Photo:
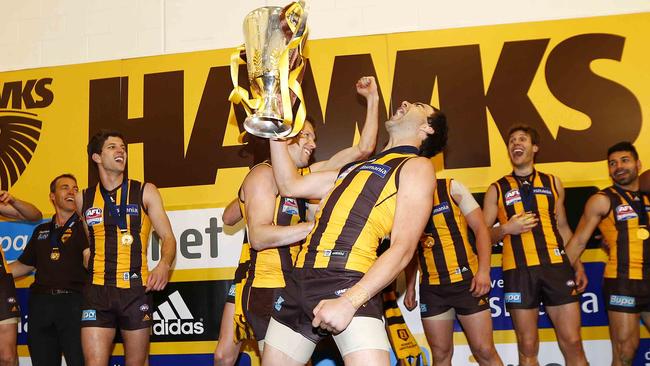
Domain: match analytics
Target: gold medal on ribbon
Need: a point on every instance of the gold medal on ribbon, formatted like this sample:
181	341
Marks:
642	233
55	254
127	239
427	241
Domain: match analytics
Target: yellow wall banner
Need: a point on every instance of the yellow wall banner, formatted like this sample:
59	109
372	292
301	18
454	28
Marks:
584	84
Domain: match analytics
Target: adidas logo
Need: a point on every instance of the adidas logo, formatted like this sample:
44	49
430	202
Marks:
173	317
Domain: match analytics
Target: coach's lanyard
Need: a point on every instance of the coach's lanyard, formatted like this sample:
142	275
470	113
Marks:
57	233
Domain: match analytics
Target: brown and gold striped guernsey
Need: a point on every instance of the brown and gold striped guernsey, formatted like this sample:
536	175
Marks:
451	258
629	256
111	262
356	214
244	260
269	267
542	245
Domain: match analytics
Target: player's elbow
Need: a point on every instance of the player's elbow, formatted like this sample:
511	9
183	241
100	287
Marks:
365	151
257	240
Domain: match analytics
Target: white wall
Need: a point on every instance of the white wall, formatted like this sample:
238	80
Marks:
38	33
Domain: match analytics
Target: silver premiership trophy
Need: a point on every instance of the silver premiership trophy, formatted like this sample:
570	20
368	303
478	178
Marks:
274	37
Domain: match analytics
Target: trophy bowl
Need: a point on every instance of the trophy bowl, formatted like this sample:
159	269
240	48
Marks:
268	31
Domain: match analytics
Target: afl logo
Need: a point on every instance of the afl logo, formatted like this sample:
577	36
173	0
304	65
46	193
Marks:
625	212
20	130
512	197
94	216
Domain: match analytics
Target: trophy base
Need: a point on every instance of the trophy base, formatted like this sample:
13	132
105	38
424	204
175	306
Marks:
266	127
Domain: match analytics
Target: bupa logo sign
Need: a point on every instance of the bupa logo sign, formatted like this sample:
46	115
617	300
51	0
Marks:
512	297
94	216
377	169
625	212
88	315
173	317
14	236
512	196
20	130
620	300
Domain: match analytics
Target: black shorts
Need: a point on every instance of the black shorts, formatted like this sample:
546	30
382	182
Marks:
9	307
627	296
437	299
257	304
230	296
526	288
305	288
112	307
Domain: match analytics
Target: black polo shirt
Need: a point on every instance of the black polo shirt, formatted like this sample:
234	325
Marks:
66	273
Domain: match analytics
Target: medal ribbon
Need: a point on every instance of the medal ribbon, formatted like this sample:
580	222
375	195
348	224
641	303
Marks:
57	234
638	206
526	190
118	213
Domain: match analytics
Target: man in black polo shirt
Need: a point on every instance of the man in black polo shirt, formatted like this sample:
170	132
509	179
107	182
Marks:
58	251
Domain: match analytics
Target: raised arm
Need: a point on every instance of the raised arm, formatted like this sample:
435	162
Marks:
367	87
159	276
13	208
412	211
292	184
517	224
259	193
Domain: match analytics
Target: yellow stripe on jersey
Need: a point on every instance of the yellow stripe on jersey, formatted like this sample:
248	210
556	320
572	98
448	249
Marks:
268	267
629	255
356	214
451	258
111	262
543	244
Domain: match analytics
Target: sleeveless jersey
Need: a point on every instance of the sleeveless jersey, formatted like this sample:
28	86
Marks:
629	256
268	267
356	214
542	245
451	258
111	262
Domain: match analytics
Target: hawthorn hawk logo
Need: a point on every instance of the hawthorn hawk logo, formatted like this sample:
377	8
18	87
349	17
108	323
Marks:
20	128
19	135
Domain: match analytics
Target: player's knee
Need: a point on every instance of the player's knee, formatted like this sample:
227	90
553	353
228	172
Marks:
575	344
8	357
442	352
485	352
626	349
528	347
